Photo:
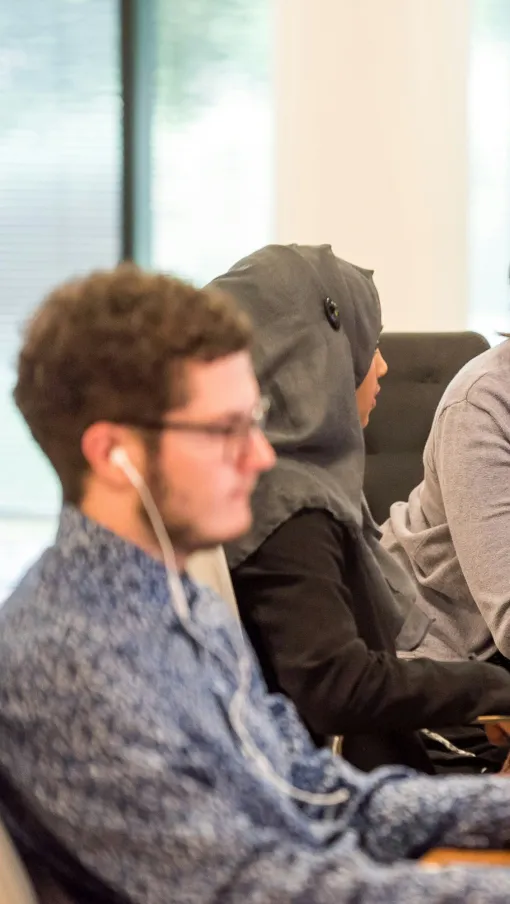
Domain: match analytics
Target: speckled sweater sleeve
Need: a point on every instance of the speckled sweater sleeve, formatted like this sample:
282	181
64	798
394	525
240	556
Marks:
116	725
167	808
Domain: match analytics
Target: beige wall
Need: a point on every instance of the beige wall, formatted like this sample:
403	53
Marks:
372	145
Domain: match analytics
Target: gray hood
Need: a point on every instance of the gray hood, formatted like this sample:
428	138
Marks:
317	323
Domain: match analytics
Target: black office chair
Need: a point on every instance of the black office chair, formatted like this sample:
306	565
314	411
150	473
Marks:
420	366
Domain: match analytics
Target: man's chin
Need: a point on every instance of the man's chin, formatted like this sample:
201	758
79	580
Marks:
239	526
220	535
242	528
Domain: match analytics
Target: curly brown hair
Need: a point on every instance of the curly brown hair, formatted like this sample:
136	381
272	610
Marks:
110	346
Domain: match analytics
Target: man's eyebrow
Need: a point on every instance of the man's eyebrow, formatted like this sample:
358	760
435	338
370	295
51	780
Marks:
235	414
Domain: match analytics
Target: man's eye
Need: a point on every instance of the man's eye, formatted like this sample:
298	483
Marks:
230	428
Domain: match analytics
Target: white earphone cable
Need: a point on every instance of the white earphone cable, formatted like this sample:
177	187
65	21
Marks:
237	704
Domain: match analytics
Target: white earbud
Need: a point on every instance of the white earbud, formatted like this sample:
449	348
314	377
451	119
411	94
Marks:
120	458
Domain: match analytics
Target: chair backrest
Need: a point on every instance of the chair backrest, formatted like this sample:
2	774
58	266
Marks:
420	366
15	885
211	568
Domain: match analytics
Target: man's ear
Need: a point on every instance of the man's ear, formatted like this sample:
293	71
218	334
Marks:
99	444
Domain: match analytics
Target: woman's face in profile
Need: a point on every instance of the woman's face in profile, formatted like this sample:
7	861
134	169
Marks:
368	390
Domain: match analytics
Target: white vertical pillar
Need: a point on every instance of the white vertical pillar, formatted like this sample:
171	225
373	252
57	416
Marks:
372	145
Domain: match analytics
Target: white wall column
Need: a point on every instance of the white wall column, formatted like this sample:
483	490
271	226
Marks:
372	145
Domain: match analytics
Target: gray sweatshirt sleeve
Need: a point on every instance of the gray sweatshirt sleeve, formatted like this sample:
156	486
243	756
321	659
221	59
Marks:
472	455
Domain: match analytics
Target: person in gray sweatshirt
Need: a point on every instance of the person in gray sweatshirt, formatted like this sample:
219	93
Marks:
452	534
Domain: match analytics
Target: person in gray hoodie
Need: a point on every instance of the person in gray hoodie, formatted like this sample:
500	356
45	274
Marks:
451	535
324	605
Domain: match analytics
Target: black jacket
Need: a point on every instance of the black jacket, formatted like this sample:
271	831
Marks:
321	641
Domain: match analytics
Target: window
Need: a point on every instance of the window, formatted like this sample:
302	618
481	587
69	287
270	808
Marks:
138	125
211	188
60	184
489	167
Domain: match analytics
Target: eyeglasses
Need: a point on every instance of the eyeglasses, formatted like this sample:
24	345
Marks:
235	435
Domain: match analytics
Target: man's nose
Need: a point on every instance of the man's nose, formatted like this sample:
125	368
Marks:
262	455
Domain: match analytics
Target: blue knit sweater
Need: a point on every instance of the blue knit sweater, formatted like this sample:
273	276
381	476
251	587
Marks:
115	723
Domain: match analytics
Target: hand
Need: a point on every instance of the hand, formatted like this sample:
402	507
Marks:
498	733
